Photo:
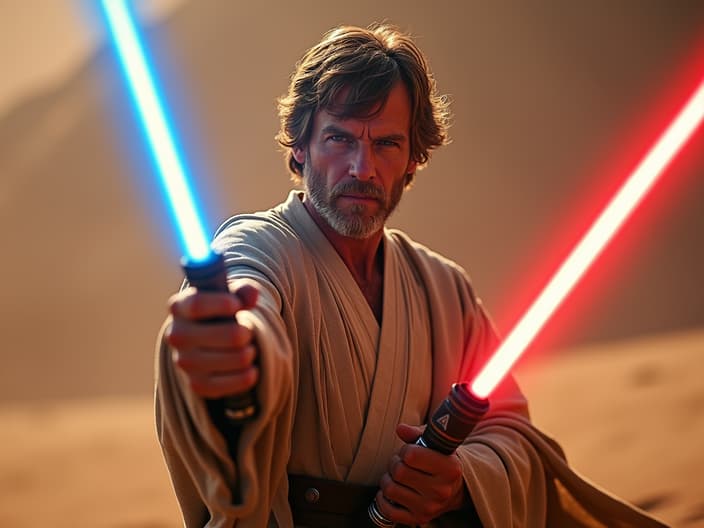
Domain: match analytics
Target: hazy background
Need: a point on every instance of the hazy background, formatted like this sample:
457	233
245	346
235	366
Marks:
553	103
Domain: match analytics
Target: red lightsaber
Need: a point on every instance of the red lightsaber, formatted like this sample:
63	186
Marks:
459	413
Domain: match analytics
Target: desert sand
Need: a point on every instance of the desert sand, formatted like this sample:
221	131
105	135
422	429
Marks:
630	416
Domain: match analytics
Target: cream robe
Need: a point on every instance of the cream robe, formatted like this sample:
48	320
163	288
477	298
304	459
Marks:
334	385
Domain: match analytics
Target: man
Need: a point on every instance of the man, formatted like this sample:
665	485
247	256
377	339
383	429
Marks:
351	334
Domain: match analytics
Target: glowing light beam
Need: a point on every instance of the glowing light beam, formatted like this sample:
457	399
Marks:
171	169
638	184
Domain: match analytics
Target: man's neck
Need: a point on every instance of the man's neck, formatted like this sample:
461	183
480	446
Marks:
363	257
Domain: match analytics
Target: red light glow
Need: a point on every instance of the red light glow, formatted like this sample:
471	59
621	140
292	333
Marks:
618	210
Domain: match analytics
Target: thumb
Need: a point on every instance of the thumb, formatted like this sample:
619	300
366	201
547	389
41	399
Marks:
247	295
409	433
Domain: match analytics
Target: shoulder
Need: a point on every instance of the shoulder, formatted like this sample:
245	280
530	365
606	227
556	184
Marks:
266	230
425	257
265	247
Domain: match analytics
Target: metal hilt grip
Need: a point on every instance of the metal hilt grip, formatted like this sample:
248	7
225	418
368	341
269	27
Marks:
453	420
210	275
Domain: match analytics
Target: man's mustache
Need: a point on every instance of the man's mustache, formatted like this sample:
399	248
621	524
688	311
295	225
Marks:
366	189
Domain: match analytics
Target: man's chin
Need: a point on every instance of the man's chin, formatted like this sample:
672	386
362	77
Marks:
355	228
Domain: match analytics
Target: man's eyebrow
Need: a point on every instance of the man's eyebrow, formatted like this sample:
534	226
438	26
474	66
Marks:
334	129
393	137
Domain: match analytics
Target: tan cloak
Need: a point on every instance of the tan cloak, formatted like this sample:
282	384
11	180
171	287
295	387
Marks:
334	385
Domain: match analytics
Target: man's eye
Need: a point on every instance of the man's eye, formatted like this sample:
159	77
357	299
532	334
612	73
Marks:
338	139
388	143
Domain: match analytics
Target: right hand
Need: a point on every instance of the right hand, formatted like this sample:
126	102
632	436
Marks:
218	357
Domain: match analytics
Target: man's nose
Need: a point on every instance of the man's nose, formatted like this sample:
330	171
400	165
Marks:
362	164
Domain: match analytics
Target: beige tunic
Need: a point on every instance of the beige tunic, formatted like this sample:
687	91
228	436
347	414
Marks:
335	384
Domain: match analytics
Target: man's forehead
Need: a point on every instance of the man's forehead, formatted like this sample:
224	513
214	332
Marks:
378	124
390	114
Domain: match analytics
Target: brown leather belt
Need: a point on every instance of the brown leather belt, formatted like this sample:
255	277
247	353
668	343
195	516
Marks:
320	503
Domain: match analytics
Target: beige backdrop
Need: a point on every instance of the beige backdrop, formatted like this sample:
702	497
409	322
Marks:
552	100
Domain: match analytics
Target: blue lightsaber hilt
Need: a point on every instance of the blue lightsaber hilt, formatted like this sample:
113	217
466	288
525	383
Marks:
452	422
210	275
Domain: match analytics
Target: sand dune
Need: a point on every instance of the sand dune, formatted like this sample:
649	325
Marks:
630	416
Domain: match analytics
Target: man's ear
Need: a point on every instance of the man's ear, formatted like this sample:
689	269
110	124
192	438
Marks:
299	155
411	168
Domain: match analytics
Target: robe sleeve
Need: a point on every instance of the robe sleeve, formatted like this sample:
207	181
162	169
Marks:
517	475
195	452
503	473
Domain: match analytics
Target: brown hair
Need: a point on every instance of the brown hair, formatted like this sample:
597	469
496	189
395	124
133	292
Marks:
367	63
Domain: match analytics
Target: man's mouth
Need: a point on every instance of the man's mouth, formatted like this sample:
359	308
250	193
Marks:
357	196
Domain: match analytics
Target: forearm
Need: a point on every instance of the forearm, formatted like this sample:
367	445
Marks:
195	451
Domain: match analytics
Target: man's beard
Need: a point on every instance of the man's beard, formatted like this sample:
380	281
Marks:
355	222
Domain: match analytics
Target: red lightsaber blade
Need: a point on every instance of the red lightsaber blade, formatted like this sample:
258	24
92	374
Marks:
614	216
465	405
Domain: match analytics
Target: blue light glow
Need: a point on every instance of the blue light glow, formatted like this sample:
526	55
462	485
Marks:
171	169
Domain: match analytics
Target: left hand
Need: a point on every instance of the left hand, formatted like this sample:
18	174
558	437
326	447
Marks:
420	484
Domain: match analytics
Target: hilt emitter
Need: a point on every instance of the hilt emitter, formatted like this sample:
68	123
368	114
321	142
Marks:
210	275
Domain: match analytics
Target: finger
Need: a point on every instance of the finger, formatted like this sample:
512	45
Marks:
224	384
184	334
397	493
426	460
214	360
436	487
407	476
408	433
393	512
192	304
248	295
422	506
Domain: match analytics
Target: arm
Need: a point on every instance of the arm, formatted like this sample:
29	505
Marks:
198	360
500	470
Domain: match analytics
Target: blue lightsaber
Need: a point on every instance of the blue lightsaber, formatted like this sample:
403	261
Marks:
204	268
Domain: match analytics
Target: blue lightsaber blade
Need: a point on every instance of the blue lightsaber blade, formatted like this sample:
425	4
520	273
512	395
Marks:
204	268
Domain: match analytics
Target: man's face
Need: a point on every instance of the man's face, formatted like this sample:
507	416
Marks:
355	169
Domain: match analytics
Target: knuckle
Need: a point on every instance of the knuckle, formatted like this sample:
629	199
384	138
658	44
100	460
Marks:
184	361
443	494
398	471
198	386
174	336
241	335
251	353
409	456
194	306
385	483
251	377
245	357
